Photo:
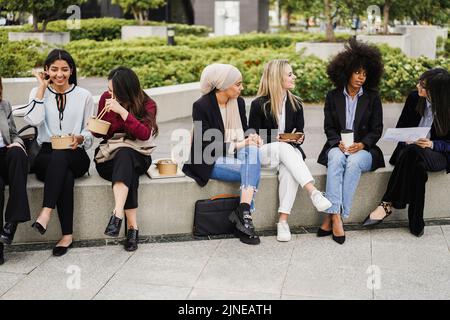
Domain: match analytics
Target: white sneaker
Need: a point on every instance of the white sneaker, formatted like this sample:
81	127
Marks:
283	232
319	201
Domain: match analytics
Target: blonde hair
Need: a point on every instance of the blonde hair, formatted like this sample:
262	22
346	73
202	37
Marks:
271	85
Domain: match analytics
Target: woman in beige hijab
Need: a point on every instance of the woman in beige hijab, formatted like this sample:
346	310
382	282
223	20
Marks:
219	148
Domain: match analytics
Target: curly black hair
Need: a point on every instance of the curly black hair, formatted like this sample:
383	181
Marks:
357	55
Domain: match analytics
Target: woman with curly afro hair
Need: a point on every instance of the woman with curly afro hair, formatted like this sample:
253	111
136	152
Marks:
428	106
354	107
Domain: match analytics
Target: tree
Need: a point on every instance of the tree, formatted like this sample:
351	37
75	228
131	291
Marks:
329	9
139	8
43	11
430	11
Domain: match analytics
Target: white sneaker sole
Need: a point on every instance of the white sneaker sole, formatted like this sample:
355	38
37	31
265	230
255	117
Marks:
284	239
325	207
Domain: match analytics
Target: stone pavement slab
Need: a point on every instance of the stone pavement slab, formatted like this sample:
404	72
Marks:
411	267
321	267
214	294
8	280
80	274
24	262
169	264
117	289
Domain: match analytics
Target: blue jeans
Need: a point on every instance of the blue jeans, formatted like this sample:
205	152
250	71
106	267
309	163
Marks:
343	176
246	169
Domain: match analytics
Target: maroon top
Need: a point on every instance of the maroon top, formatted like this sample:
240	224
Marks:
135	128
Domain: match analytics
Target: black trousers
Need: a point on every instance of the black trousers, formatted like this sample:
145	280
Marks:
407	182
14	172
126	166
58	169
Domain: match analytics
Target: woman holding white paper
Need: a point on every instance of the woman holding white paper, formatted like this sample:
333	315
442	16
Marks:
429	106
354	107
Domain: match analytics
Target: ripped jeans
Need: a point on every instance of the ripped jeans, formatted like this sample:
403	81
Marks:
246	169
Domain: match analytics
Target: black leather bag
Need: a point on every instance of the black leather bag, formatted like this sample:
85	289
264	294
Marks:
31	144
211	215
29	139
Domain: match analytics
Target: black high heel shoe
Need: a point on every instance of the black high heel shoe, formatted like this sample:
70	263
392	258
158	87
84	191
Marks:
113	227
38	227
324	233
7	234
368	222
339	239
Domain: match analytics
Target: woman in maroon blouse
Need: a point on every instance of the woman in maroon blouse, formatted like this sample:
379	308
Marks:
131	111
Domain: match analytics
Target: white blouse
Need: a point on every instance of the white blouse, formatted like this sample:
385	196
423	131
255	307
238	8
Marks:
79	107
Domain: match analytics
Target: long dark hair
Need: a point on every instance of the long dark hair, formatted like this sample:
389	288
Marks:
437	84
59	54
127	90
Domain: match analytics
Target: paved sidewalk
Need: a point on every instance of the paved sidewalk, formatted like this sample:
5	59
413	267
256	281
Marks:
377	264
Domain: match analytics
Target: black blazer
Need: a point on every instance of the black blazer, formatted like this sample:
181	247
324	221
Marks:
263	125
206	109
410	117
367	127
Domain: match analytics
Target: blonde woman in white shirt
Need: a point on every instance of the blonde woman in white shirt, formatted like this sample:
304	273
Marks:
59	107
276	110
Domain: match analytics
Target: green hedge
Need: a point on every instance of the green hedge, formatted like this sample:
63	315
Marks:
158	64
110	28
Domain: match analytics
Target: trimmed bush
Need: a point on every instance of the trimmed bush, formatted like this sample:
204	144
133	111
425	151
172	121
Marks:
110	28
158	64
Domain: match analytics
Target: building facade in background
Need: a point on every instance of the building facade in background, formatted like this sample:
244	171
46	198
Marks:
224	17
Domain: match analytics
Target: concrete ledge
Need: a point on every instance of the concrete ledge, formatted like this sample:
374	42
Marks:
322	50
131	32
403	42
56	38
166	206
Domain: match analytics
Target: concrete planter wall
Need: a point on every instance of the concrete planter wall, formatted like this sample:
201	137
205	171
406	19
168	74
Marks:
57	38
403	42
131	32
423	40
323	50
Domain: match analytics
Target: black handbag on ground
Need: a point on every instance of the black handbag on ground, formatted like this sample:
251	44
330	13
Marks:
211	215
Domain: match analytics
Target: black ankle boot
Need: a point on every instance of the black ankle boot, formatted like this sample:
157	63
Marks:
7	234
131	244
113	227
2	259
242	219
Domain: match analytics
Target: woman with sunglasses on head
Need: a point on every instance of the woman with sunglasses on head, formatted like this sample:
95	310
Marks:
132	112
429	106
59	108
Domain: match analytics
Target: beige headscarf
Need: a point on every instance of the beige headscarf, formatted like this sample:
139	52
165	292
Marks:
221	77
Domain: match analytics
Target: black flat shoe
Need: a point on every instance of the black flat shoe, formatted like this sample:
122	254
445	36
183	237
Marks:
418	235
7	234
38	227
2	258
131	244
324	233
113	227
368	222
60	250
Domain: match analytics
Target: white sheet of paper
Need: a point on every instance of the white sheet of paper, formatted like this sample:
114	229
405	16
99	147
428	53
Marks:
406	134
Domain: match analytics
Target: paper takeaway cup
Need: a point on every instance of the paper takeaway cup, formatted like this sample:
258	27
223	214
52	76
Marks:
347	138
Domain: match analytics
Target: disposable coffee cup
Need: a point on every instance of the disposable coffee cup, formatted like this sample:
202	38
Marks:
347	138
